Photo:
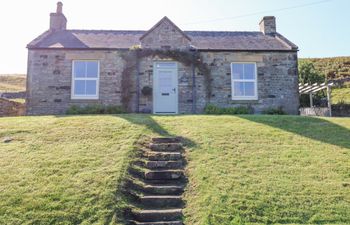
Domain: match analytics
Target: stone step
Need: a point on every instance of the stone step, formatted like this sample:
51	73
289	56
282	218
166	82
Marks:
165	182
157	223
166	147
157	174
158	201
166	140
178	164
157	215
162	156
164	189
156	189
164	174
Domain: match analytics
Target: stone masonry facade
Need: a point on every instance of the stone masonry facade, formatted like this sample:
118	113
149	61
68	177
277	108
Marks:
50	78
49	84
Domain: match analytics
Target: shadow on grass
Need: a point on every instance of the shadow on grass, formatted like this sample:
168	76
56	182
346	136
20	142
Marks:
310	127
147	121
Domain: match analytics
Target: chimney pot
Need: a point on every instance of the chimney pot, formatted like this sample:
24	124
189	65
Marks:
59	7
268	25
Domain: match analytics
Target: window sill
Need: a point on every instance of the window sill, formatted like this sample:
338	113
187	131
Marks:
84	98
245	99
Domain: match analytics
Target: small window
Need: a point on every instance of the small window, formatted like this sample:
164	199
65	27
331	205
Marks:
244	81
85	79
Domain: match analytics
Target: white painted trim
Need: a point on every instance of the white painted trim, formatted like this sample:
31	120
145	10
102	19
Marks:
255	97
86	97
176	84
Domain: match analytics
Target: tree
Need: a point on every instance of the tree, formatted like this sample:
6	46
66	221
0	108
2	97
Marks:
308	73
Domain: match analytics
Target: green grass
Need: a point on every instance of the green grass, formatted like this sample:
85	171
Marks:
341	95
241	169
12	83
63	169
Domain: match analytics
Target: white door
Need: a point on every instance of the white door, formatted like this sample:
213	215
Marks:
165	93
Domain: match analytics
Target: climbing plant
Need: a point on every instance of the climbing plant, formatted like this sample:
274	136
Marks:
134	54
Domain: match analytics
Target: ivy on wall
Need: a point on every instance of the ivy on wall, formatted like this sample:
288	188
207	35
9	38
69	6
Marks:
133	55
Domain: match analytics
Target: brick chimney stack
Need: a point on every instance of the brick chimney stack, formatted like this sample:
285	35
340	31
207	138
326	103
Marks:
57	20
268	25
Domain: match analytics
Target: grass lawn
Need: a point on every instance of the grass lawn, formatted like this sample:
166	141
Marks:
241	169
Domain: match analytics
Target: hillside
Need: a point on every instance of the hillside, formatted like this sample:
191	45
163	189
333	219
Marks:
332	68
12	83
253	169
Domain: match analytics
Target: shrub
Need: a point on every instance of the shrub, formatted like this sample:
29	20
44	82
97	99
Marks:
95	109
274	111
212	109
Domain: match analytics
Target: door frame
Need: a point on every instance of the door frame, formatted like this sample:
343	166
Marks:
176	86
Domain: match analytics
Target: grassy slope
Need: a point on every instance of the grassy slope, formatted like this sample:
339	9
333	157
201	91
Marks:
62	169
261	169
333	68
12	83
341	95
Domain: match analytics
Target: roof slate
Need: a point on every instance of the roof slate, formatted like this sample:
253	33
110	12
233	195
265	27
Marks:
124	39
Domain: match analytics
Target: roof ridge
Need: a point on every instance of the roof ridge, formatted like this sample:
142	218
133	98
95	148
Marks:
104	30
214	31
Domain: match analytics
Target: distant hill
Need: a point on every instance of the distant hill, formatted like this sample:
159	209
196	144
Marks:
332	68
12	82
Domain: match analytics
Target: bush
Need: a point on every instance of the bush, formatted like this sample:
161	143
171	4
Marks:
274	111
95	109
212	109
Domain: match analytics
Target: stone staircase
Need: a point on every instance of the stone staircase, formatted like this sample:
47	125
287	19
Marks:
157	182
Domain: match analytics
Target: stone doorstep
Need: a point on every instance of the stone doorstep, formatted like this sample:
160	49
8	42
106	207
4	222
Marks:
162	156
166	147
161	200
157	215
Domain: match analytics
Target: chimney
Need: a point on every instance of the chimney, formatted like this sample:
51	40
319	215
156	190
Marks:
268	25
57	20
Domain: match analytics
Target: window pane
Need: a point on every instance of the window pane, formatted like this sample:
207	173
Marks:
91	87
238	88
79	69
249	71
237	70
92	69
249	88
79	87
166	65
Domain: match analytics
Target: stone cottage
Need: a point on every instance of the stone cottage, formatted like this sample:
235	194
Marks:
228	69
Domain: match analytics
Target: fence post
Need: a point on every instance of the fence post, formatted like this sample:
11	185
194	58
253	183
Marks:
329	100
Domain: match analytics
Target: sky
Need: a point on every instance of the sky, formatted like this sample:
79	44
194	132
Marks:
321	28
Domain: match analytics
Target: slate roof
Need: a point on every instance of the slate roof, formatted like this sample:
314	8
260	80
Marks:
124	39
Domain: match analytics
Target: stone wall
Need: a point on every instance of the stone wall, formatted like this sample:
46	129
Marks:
165	35
277	79
11	108
50	78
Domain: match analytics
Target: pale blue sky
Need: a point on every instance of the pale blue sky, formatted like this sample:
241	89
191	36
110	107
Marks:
321	29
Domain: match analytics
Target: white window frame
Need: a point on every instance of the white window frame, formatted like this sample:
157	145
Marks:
73	95
255	97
